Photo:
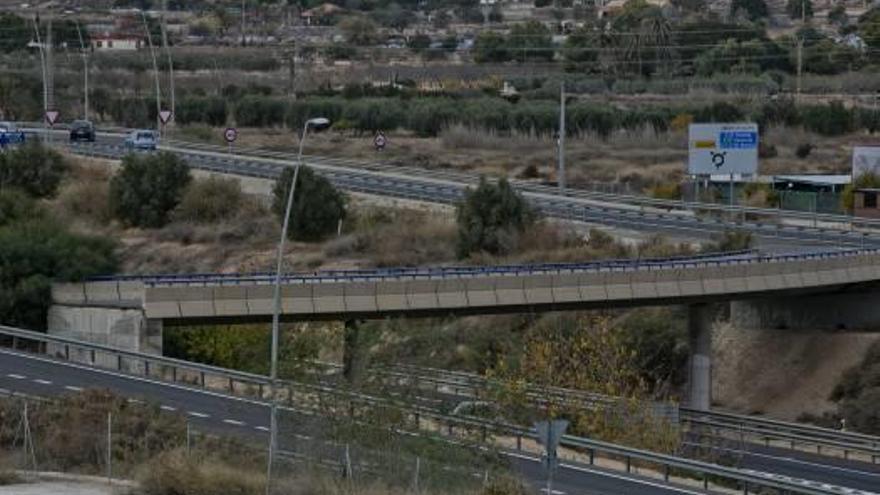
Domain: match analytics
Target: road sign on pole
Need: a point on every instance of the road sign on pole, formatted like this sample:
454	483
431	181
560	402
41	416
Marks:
379	141
723	149
230	135
165	116
549	435
52	116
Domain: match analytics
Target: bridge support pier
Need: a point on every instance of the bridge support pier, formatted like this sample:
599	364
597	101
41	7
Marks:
353	353
700	360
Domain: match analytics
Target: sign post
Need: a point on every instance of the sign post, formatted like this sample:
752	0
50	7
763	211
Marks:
380	141
230	135
51	119
165	117
723	149
549	435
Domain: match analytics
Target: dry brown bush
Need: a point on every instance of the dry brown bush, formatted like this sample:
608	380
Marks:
175	473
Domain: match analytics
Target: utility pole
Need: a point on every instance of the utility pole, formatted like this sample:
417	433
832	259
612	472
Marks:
155	71
43	70
561	143
242	22
800	50
50	77
85	58
164	25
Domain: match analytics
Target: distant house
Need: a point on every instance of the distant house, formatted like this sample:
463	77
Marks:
321	15
116	42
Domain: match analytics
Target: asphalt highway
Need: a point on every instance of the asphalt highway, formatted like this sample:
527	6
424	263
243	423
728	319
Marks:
210	411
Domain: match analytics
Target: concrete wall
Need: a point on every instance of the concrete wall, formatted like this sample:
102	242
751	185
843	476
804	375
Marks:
844	311
127	329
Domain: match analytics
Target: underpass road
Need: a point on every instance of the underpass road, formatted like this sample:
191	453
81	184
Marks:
46	377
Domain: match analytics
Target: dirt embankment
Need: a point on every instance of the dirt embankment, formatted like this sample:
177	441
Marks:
782	373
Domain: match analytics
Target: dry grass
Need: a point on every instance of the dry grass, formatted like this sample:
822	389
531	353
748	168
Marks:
175	473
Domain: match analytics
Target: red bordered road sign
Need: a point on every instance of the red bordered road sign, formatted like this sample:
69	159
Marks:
165	116
52	116
230	134
379	141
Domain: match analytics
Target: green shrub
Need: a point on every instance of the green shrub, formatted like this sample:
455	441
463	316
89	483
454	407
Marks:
34	169
16	206
491	218
730	240
148	188
832	119
35	252
210	200
318	206
803	150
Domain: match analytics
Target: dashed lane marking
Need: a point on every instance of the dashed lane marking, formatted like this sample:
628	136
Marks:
42	382
261	428
73	388
16	377
198	414
233	422
167	408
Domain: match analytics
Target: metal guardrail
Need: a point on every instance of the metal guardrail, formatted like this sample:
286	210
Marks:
707	261
638	201
702	470
180	371
824	440
411	184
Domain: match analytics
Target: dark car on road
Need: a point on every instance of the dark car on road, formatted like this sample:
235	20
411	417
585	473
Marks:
82	130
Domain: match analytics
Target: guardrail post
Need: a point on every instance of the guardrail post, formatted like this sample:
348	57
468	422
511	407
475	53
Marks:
628	464
15	342
818	449
119	362
665	469
202	378
845	454
174	374
518	442
92	356
417	420
483	433
449	428
67	352
231	386
705	481
260	390
745	488
146	367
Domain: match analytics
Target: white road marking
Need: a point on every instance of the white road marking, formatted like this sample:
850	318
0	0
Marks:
672	488
134	401
42	382
198	414
261	428
233	422
17	377
167	408
552	492
73	388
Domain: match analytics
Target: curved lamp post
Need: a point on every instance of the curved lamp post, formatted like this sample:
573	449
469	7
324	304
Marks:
317	124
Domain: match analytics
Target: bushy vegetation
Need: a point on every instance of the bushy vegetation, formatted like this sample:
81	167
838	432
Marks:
491	218
148	188
34	169
858	394
210	200
36	250
318	207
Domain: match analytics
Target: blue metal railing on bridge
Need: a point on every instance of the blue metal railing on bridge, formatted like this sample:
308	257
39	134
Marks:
711	259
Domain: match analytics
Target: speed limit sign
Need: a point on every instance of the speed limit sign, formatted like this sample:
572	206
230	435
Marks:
230	134
379	141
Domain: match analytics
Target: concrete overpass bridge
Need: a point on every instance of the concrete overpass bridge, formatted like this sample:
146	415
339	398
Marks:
826	289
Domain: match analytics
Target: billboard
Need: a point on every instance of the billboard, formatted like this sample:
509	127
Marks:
866	159
723	149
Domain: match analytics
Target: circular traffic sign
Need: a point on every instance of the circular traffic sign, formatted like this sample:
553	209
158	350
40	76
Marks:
230	134
379	141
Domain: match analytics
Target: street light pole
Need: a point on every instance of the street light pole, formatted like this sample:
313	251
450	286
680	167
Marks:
276	307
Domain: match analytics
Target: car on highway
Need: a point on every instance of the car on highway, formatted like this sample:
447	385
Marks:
142	139
82	130
9	134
